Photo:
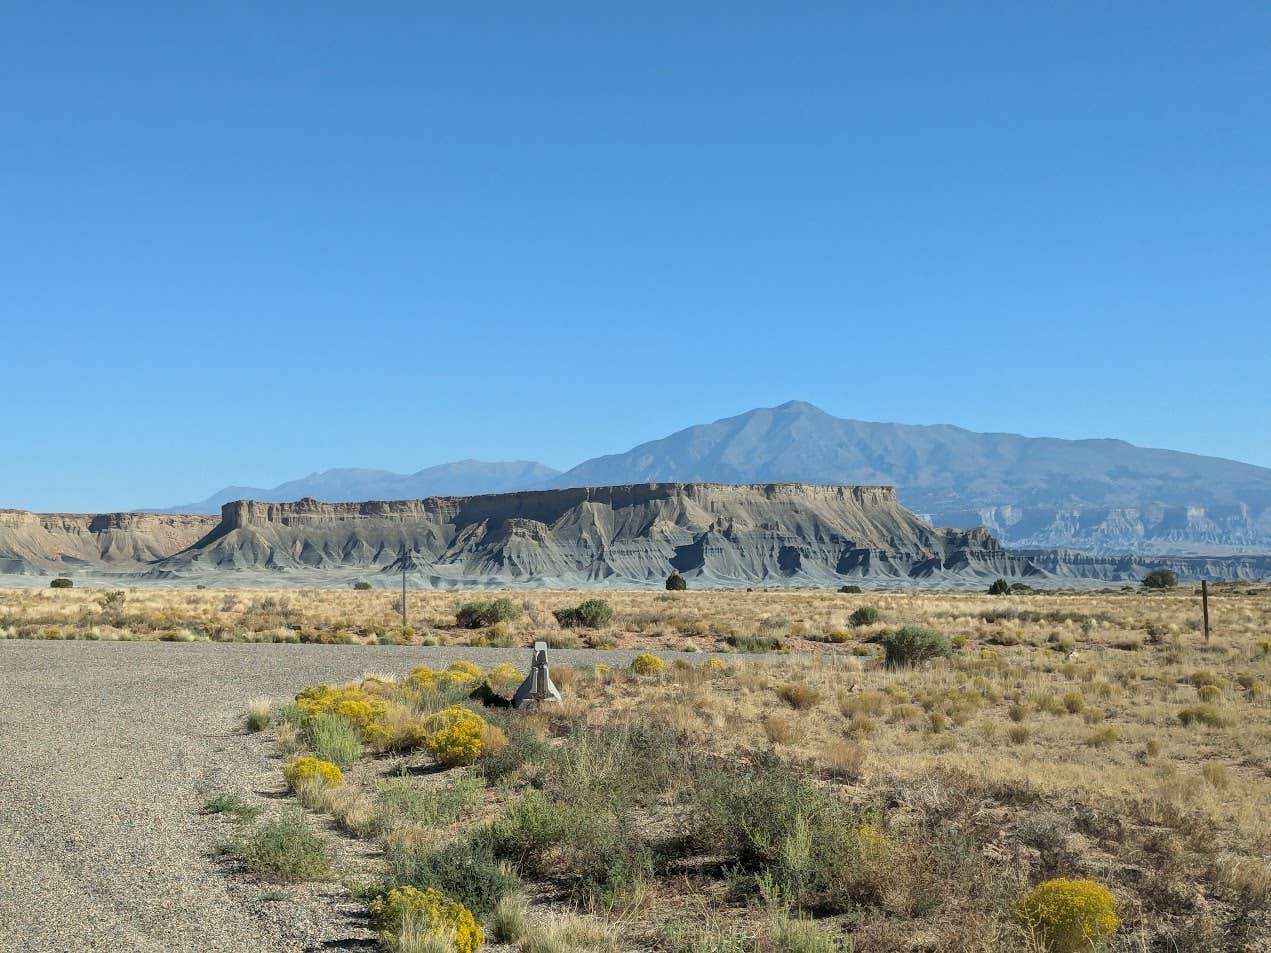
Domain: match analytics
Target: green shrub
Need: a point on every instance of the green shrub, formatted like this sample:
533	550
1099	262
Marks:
850	590
1210	715
581	826
593	846
676	583
592	614
509	922
524	747
286	850
786	834
434	805
865	615
466	870
233	805
361	585
755	643
61	582
485	612
1160	579
912	644
334	738
1000	587
797	935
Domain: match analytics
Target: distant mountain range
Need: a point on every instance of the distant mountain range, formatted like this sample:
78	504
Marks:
1036	492
352	485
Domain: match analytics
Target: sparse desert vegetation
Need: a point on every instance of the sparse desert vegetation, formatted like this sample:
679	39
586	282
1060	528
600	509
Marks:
1040	772
1129	619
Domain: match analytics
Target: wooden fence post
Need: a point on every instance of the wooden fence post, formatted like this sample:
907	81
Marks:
1204	606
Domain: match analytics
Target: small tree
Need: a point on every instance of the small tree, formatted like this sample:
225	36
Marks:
911	644
675	583
482	612
865	615
1160	579
592	614
361	585
61	582
1000	587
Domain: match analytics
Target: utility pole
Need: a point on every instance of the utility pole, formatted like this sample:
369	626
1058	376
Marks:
1204	606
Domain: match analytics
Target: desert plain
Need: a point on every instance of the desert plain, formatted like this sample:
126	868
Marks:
727	771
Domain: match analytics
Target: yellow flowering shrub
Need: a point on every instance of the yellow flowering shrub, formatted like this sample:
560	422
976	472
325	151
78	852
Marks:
505	678
646	664
348	701
455	735
306	767
1069	915
408	912
460	673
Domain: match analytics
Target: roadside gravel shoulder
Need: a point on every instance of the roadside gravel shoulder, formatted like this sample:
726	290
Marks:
108	752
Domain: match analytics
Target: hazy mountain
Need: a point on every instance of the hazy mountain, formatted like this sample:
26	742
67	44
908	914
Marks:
1034	491
351	485
1102	495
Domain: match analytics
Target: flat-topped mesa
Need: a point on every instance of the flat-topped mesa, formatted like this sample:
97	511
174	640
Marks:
538	504
37	542
715	533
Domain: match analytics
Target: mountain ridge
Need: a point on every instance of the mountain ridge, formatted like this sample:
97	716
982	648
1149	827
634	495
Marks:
1101	494
353	484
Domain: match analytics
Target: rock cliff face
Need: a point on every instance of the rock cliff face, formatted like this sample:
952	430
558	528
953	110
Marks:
713	533
1217	529
34	543
617	536
1060	565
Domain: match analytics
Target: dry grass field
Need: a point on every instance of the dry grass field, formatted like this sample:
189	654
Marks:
797	620
813	801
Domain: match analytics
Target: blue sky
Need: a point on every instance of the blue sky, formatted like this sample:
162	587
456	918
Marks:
243	242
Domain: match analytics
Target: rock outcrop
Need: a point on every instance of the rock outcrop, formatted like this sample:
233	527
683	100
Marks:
715	534
35	543
1066	565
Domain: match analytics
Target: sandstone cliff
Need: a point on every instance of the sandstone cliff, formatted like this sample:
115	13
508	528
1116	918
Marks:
715	534
48	542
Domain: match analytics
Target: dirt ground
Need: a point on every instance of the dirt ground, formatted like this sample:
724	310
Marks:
107	754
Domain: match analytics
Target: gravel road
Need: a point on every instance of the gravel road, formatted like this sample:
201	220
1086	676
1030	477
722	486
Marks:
107	753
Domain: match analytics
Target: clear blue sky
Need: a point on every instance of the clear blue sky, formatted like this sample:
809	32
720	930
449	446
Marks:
240	242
